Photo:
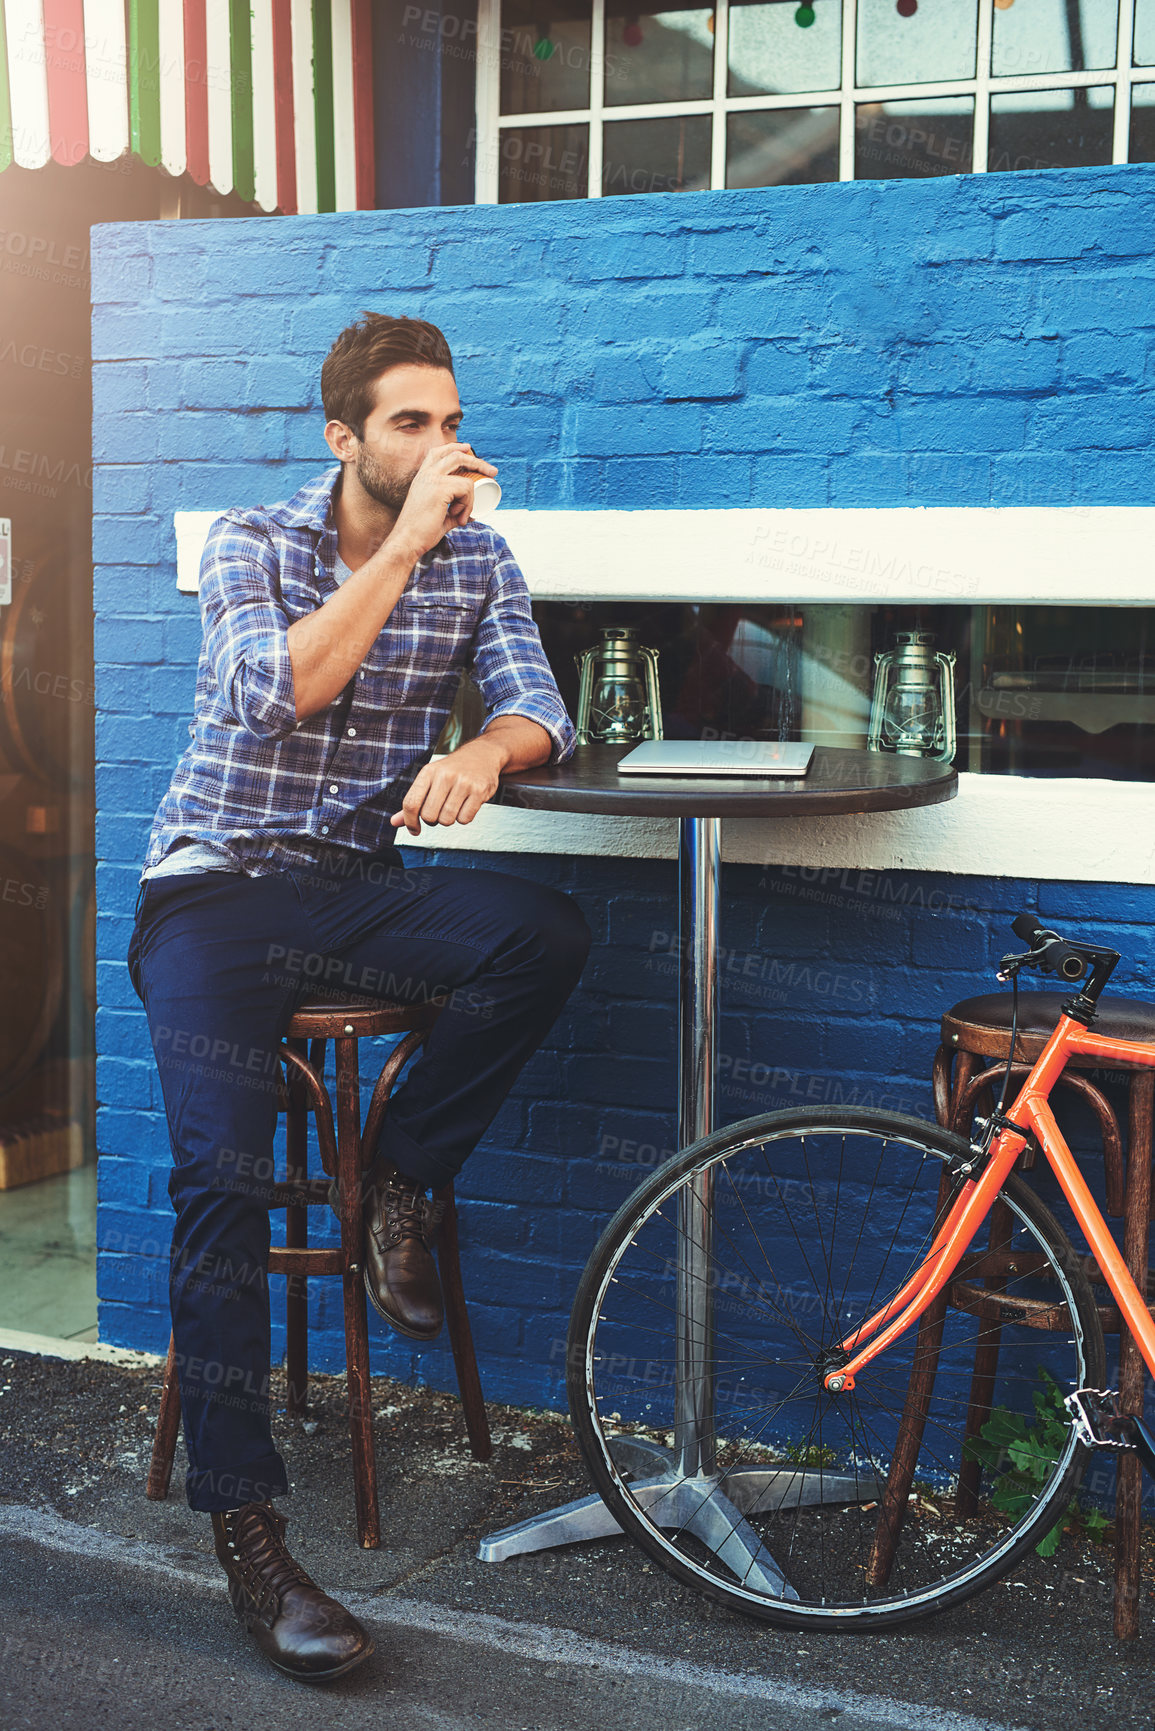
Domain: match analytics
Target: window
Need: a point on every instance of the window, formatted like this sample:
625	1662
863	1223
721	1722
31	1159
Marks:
586	98
1038	690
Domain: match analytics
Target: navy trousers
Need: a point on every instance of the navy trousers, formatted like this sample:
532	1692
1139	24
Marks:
220	960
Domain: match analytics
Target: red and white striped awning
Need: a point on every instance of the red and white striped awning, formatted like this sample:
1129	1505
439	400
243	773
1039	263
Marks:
269	99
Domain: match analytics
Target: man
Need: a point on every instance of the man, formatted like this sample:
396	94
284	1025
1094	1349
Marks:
335	627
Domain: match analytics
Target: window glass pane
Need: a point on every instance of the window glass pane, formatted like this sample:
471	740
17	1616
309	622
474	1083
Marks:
1065	692
724	671
1143	48
783	147
545	55
658	56
1051	128
670	155
542	162
1142	123
1054	36
936	41
1059	691
770	54
907	140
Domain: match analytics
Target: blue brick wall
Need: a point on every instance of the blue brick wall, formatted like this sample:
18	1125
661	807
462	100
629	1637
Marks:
978	340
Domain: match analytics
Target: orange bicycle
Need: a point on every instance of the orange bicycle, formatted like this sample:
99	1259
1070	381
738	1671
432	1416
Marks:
800	1388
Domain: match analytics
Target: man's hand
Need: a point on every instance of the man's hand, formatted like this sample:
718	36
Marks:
327	646
454	789
439	500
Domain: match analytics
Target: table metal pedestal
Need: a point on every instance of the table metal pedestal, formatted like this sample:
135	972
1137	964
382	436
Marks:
682	1485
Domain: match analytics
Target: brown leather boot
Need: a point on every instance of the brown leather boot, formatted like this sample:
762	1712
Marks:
301	1629
400	1273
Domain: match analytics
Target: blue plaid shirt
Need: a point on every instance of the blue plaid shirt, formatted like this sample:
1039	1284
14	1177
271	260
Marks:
274	792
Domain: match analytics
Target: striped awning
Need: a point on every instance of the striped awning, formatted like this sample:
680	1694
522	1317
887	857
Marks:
268	99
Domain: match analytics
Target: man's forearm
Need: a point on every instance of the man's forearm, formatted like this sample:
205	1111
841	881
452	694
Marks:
328	646
454	788
523	743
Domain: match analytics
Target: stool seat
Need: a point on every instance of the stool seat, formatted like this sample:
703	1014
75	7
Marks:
981	1025
328	1018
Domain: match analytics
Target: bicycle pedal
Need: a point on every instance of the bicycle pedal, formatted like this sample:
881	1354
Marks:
1101	1423
1097	1417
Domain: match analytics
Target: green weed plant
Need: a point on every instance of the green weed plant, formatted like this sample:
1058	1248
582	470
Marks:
1026	1452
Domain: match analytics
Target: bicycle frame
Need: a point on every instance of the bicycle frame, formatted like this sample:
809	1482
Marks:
1030	1112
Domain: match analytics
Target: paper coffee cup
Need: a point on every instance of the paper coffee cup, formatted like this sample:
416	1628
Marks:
486	498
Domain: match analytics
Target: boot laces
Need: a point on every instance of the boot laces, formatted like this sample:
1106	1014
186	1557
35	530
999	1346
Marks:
268	1569
404	1211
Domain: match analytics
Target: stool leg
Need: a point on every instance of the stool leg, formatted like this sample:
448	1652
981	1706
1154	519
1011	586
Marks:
941	1084
893	1502
986	1368
965	1066
950	1112
460	1333
167	1426
296	1238
356	1320
1136	1232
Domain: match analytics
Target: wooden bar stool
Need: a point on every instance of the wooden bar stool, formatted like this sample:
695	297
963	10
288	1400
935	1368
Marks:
969	1063
345	1152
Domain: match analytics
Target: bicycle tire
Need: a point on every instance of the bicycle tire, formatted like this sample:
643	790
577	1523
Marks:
610	1319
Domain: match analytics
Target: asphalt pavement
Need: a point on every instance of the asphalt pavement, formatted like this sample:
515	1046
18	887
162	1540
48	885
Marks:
113	1610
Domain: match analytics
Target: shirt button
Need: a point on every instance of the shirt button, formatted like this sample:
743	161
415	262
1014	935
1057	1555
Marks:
333	788
352	733
324	829
361	675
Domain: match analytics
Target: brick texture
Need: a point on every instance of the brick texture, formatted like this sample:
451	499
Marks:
980	339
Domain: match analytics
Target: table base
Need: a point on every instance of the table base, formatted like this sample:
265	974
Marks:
711	1506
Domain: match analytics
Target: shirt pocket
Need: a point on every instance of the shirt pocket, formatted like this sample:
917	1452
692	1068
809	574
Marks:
426	635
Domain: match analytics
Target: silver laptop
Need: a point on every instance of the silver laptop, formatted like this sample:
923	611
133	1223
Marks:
749	757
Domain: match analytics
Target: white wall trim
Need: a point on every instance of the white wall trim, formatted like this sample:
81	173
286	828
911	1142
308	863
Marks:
998	826
1074	555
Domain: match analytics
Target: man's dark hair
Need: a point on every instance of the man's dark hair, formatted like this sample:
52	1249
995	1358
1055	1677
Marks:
364	351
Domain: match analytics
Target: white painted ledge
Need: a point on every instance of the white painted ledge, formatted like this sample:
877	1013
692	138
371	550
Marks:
998	826
1071	555
1074	555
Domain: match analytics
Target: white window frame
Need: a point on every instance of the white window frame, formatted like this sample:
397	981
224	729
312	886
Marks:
491	123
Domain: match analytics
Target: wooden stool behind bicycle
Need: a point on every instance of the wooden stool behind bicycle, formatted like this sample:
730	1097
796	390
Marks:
970	1062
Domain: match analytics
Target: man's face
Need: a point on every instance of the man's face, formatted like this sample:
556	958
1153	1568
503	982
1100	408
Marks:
416	409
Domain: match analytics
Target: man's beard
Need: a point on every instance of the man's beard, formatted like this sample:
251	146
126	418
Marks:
382	484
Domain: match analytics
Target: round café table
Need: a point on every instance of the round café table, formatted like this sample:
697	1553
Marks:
837	782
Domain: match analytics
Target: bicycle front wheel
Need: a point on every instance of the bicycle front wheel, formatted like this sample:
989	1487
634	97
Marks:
718	1299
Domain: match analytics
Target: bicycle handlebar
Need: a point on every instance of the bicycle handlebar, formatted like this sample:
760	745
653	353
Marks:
1052	954
1027	927
1048	952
